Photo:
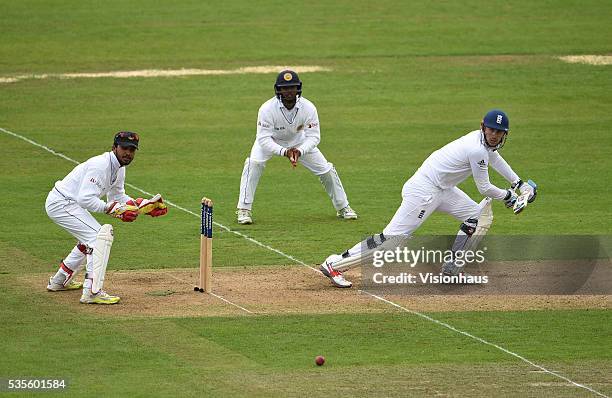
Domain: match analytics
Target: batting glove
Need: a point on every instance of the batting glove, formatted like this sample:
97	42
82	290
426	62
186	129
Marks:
510	198
530	187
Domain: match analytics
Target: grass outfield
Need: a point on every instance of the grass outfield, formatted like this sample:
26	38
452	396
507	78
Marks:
398	355
403	80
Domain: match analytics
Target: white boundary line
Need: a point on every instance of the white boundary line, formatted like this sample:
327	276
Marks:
427	317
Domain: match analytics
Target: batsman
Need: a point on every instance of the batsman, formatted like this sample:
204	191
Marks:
70	204
434	188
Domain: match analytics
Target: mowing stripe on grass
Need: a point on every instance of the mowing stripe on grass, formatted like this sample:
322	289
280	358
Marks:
427	317
165	73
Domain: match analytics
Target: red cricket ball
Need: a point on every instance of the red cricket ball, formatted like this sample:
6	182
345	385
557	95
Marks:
320	360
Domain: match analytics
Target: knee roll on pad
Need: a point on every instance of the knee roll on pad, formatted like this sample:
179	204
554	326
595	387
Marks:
373	244
374	241
83	248
469	226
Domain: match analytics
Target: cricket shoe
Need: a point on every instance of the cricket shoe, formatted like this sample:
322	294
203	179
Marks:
99	298
336	277
450	269
347	213
58	287
244	216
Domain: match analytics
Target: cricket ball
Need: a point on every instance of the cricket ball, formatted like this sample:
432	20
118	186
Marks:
320	360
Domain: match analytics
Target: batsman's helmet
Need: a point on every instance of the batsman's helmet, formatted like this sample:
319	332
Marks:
497	120
287	78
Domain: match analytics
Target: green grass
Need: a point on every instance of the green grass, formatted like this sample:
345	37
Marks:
189	356
405	79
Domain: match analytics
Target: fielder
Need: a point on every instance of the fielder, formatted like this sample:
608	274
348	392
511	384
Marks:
69	205
434	187
288	125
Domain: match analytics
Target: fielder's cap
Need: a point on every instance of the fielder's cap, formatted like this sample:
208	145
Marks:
127	139
288	78
497	120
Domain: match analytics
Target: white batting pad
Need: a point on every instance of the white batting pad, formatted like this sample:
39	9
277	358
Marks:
101	253
484	223
365	257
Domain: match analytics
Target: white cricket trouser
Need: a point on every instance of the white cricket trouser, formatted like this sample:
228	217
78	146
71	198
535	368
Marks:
313	161
420	199
78	222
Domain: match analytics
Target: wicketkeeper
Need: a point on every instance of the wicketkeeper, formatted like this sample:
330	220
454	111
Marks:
70	203
434	188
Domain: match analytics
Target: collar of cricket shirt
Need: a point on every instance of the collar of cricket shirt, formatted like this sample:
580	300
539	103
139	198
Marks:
289	115
115	166
114	161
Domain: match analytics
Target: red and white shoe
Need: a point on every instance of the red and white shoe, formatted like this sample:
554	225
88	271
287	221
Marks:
336	277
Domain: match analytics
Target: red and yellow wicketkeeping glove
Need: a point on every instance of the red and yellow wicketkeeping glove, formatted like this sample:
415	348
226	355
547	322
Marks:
153	207
126	212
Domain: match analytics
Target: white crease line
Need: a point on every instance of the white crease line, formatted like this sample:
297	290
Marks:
446	325
229	302
211	293
483	341
165	73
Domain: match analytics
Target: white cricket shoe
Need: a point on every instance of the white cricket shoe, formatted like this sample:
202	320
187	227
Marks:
244	216
58	287
450	269
99	298
347	213
336	277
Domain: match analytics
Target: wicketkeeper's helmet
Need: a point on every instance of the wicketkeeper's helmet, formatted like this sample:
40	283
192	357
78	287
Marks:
287	78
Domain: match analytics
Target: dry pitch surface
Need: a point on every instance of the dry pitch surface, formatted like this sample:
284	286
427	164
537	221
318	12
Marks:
288	290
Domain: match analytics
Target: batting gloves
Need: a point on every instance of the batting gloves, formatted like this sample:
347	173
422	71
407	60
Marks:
510	198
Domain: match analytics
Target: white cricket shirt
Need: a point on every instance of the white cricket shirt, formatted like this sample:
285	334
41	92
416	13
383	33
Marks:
279	128
453	163
89	181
